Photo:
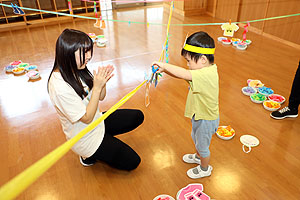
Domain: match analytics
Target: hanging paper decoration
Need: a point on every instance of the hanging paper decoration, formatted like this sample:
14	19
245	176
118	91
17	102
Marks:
167	50
97	24
17	10
70	7
103	26
245	31
229	29
95	9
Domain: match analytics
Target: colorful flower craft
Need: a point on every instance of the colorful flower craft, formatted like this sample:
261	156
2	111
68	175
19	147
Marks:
225	131
272	104
255	83
18	70
235	39
265	90
9	68
16	62
276	97
248	90
235	43
220	39
23	65
248	42
258	98
31	67
227	41
33	74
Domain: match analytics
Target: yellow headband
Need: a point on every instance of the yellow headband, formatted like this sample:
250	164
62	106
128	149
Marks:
199	49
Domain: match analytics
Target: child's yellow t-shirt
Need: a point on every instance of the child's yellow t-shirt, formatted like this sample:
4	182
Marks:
203	97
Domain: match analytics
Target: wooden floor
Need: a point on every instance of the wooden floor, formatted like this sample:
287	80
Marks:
30	128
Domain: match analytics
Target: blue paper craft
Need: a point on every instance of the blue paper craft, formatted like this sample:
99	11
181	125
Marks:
17	10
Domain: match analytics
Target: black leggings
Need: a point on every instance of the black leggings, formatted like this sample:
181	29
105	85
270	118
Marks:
113	151
294	99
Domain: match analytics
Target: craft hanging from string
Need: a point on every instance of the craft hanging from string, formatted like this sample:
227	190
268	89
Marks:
151	77
103	26
95	9
70	7
17	10
167	50
98	20
245	31
229	28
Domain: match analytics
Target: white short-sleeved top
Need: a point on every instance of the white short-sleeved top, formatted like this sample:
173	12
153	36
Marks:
71	108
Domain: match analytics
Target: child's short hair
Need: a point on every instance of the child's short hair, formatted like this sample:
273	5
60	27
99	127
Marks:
199	39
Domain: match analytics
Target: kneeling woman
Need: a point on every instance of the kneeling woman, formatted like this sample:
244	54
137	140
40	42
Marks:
75	93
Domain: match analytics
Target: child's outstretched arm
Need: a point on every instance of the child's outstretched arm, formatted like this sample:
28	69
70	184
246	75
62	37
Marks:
175	71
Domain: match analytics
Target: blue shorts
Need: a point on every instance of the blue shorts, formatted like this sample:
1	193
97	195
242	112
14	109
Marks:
202	131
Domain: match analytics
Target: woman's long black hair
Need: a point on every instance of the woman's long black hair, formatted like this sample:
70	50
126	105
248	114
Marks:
67	43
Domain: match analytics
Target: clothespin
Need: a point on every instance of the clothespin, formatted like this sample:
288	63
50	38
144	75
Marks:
147	24
154	70
230	22
129	23
153	73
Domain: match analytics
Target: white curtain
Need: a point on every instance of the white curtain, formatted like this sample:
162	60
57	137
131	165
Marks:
105	4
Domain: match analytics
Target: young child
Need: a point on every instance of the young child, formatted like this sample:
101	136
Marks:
202	104
75	94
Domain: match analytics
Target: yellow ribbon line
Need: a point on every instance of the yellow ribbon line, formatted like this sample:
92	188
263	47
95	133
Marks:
19	183
168	27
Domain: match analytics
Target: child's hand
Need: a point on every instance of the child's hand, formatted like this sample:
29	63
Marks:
102	76
160	66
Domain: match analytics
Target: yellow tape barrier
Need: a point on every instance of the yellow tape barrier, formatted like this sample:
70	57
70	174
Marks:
18	184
